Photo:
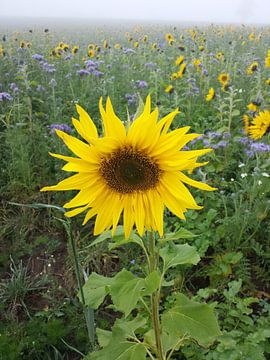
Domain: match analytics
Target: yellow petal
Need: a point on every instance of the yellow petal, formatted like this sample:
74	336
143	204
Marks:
87	123
113	127
194	183
75	182
78	147
128	216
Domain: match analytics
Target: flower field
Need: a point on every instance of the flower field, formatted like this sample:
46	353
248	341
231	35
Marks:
155	90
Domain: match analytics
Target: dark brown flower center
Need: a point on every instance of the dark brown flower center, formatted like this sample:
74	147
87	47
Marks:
128	170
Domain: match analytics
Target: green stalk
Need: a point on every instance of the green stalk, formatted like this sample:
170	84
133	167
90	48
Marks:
155	298
88	312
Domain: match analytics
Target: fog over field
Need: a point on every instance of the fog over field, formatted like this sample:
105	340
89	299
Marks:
218	11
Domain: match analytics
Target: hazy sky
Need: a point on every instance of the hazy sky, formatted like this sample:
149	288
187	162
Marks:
244	11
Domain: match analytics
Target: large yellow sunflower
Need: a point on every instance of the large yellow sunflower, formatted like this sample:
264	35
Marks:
260	125
136	172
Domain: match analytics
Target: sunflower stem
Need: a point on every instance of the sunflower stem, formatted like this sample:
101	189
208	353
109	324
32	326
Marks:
155	298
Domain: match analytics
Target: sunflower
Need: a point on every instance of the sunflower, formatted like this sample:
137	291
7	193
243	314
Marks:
182	70
137	172
266	81
91	53
179	60
219	55
169	37
260	125
253	106
211	94
252	68
224	78
169	89
75	49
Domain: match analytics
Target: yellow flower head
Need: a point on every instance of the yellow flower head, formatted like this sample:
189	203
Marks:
219	56
252	68
169	89
75	49
211	94
179	60
267	61
182	70
201	48
169	37
117	46
253	106
260	125
224	78
267	81
145	39
136	44
174	76
91	53
135	172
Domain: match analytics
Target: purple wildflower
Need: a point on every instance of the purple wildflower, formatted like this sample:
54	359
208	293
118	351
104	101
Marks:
49	68
5	96
83	72
62	127
98	73
128	51
14	88
37	57
142	84
150	64
52	83
260	147
40	88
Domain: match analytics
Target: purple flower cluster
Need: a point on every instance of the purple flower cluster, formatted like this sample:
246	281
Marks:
14	88
150	64
91	67
141	84
49	68
38	57
128	51
5	96
62	127
131	98
253	147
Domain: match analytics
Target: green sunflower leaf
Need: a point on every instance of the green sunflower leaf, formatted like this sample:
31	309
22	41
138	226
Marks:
192	319
95	290
173	255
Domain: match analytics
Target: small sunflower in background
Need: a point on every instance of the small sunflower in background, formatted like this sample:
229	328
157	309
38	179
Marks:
224	78
91	53
182	70
211	94
267	81
253	106
220	56
169	37
179	60
145	39
169	89
260	125
135	172
75	49
252	68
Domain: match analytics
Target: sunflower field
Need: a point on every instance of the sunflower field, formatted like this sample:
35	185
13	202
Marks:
164	131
